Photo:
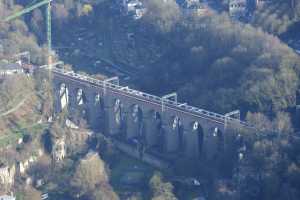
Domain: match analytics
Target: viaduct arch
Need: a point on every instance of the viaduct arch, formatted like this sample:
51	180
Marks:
126	114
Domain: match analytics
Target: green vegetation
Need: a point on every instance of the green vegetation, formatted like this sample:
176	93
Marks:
163	15
15	98
214	63
270	167
223	65
90	178
161	190
277	16
210	61
17	133
16	38
29	193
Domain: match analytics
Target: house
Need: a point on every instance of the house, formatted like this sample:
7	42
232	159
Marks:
139	13
190	3
131	5
7	68
261	3
194	7
134	8
237	8
6	197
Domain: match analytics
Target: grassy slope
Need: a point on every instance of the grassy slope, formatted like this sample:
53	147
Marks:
25	119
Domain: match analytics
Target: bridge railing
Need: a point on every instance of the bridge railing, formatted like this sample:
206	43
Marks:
150	97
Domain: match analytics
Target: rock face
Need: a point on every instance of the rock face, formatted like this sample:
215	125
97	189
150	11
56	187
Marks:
59	149
7	176
71	124
76	141
67	139
24	165
17	166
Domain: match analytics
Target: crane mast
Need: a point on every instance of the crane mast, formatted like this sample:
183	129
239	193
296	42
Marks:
49	36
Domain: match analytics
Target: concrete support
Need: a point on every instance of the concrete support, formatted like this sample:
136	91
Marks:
193	137
134	122
72	99
95	111
113	116
171	134
212	144
57	103
152	128
297	121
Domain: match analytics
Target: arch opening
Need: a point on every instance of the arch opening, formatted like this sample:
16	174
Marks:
176	123
98	101
117	108
157	118
153	130
220	139
80	97
63	95
175	141
136	113
197	129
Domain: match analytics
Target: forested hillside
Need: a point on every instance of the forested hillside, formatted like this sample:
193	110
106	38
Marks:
26	118
15	36
211	61
222	65
277	16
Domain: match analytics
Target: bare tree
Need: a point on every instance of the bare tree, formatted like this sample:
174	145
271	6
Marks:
163	14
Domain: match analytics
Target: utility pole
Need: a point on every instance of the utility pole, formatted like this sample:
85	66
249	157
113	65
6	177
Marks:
168	96
114	80
235	113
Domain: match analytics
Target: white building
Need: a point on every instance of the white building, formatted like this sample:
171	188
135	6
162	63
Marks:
139	13
195	7
134	8
237	8
10	68
191	3
6	197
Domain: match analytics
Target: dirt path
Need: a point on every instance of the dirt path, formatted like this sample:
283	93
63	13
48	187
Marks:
16	107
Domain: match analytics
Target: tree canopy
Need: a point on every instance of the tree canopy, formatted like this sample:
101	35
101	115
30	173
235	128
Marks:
224	65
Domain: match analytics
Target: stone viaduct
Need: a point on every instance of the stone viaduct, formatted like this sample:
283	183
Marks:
157	124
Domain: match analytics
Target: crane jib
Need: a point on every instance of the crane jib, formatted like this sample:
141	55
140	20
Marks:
48	13
26	10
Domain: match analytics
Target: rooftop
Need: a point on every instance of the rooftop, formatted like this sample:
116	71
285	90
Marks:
6	197
4	65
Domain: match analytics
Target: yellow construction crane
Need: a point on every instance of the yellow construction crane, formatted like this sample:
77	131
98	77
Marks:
29	9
